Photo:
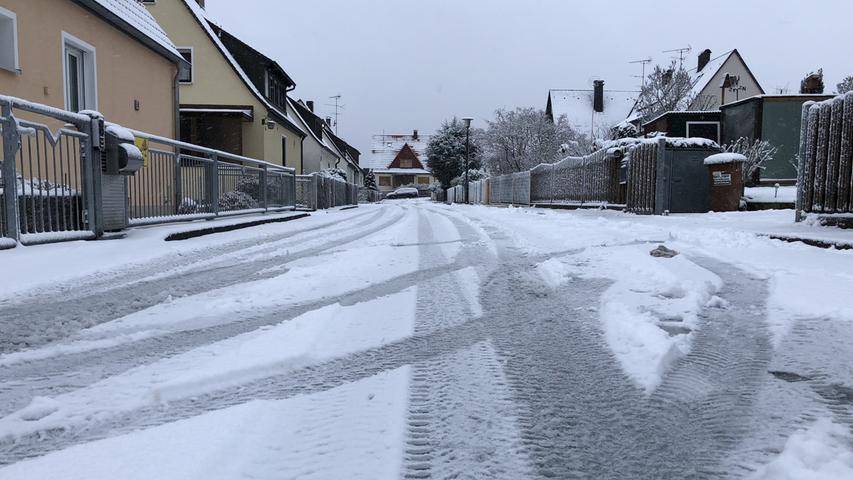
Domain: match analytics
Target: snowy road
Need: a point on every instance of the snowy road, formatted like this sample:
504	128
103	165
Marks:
419	340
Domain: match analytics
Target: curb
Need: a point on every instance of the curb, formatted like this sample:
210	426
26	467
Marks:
177	236
813	242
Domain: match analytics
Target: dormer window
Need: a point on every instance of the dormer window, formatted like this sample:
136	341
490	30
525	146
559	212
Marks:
276	90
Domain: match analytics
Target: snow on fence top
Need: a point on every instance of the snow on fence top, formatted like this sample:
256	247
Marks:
672	142
728	157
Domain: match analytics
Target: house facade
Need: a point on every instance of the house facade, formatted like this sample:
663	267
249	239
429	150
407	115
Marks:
400	160
105	55
720	80
322	149
591	112
223	105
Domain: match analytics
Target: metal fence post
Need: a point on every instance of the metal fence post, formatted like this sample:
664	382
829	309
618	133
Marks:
213	184
92	150
179	193
11	140
263	184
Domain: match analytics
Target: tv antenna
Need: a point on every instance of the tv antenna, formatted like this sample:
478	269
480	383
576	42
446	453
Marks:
681	53
338	107
644	62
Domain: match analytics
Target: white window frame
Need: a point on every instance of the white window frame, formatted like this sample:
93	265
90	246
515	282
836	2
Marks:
10	15
192	64
717	124
90	71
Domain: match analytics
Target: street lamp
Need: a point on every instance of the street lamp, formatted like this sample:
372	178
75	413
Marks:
467	121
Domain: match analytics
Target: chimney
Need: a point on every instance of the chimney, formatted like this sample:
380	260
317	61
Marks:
704	58
598	96
310	105
415	134
329	121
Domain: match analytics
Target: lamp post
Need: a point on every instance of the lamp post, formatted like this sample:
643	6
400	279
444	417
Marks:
467	121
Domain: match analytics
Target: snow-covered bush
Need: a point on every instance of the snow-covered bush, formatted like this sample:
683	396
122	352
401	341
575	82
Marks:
250	185
370	180
473	175
236	201
757	154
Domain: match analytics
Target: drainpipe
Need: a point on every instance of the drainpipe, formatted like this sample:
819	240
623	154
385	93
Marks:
177	88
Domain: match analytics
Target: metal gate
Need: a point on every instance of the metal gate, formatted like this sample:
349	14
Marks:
49	166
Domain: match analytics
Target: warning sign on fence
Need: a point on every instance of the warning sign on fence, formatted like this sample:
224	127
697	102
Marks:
142	145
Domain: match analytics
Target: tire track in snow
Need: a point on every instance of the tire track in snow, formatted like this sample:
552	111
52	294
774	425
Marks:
38	323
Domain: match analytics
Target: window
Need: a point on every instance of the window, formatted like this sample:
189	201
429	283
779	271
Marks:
384	181
423	180
80	78
709	130
284	150
276	90
8	40
185	72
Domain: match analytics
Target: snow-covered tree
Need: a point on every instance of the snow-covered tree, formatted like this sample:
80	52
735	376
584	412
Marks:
757	154
666	89
846	85
446	151
812	83
370	180
518	140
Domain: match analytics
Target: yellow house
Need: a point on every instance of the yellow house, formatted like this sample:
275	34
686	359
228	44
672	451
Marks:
222	105
104	55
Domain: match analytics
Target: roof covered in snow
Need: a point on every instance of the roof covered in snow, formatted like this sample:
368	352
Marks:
702	78
577	106
131	17
384	150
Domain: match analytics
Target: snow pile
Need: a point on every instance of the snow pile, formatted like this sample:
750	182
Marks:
821	452
354	431
727	157
650	312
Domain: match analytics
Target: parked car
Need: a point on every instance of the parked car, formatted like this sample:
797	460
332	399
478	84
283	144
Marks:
403	192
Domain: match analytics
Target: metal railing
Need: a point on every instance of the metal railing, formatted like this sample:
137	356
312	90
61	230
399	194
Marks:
54	185
49	166
825	167
186	181
317	192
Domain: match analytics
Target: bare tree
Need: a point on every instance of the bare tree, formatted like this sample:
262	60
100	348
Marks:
666	89
517	140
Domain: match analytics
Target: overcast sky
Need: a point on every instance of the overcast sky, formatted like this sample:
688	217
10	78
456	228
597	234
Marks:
406	64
